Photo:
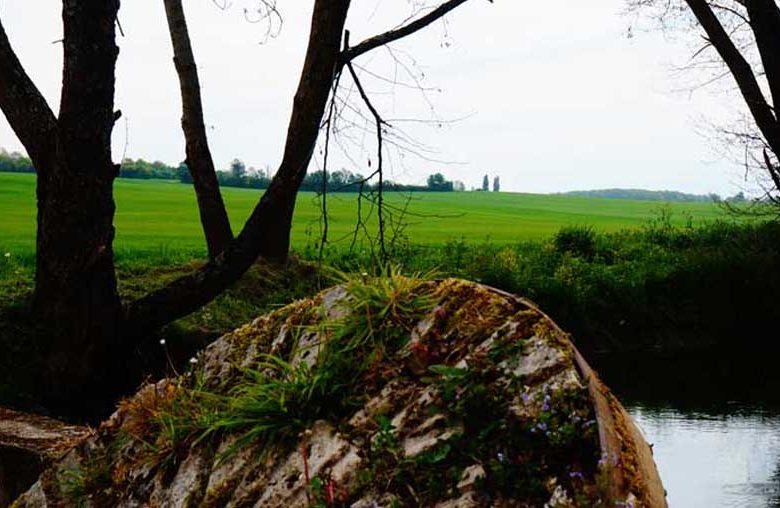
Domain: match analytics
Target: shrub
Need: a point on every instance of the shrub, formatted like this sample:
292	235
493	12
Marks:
578	241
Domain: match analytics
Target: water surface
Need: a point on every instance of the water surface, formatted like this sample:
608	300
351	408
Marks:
713	420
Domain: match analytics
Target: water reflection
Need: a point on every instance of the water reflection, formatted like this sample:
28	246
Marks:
710	461
714	422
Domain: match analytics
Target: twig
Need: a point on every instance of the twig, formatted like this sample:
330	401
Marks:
380	160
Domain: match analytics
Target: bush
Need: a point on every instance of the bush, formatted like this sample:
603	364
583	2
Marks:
578	241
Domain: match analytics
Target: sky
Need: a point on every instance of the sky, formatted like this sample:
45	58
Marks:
549	96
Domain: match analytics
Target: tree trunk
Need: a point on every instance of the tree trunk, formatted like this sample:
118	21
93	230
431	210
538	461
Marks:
213	215
765	22
75	287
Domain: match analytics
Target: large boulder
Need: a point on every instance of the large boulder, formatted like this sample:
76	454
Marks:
379	392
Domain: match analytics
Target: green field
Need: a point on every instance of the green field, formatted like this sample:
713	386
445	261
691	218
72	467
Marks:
154	215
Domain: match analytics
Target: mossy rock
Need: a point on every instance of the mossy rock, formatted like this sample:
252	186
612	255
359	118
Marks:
380	392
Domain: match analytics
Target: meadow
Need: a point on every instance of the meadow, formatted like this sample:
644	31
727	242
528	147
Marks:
161	217
615	272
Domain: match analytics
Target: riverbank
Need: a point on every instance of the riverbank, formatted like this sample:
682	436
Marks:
663	287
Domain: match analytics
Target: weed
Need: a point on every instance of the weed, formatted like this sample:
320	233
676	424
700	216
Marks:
277	398
86	482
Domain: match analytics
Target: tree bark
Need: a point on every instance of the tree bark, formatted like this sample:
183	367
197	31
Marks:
75	286
765	21
31	119
213	216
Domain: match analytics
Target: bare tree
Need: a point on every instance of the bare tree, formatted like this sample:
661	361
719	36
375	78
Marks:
745	36
76	287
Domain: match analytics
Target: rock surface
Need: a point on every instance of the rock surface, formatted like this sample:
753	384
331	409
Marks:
27	443
377	393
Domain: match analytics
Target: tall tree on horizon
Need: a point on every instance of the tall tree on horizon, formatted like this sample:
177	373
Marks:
485	183
496	184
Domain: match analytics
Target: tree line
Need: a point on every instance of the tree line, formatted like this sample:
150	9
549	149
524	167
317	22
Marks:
645	195
15	162
238	175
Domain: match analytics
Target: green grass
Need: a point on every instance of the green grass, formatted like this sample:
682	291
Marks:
615	272
160	218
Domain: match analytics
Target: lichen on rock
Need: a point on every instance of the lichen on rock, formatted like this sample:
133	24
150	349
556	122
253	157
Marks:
387	391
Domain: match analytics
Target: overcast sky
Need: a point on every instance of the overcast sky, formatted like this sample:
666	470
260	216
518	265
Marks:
550	96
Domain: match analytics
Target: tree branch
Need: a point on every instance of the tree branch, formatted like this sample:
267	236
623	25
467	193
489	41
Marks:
740	69
24	107
380	159
399	33
324	189
729	10
213	216
774	172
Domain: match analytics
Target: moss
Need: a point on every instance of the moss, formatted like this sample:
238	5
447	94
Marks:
220	494
86	479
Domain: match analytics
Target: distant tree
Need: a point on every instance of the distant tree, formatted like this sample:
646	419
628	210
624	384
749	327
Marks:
237	169
436	180
184	173
739	197
458	186
485	184
15	162
496	184
438	183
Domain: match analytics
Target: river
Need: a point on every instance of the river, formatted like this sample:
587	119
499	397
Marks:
713	420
